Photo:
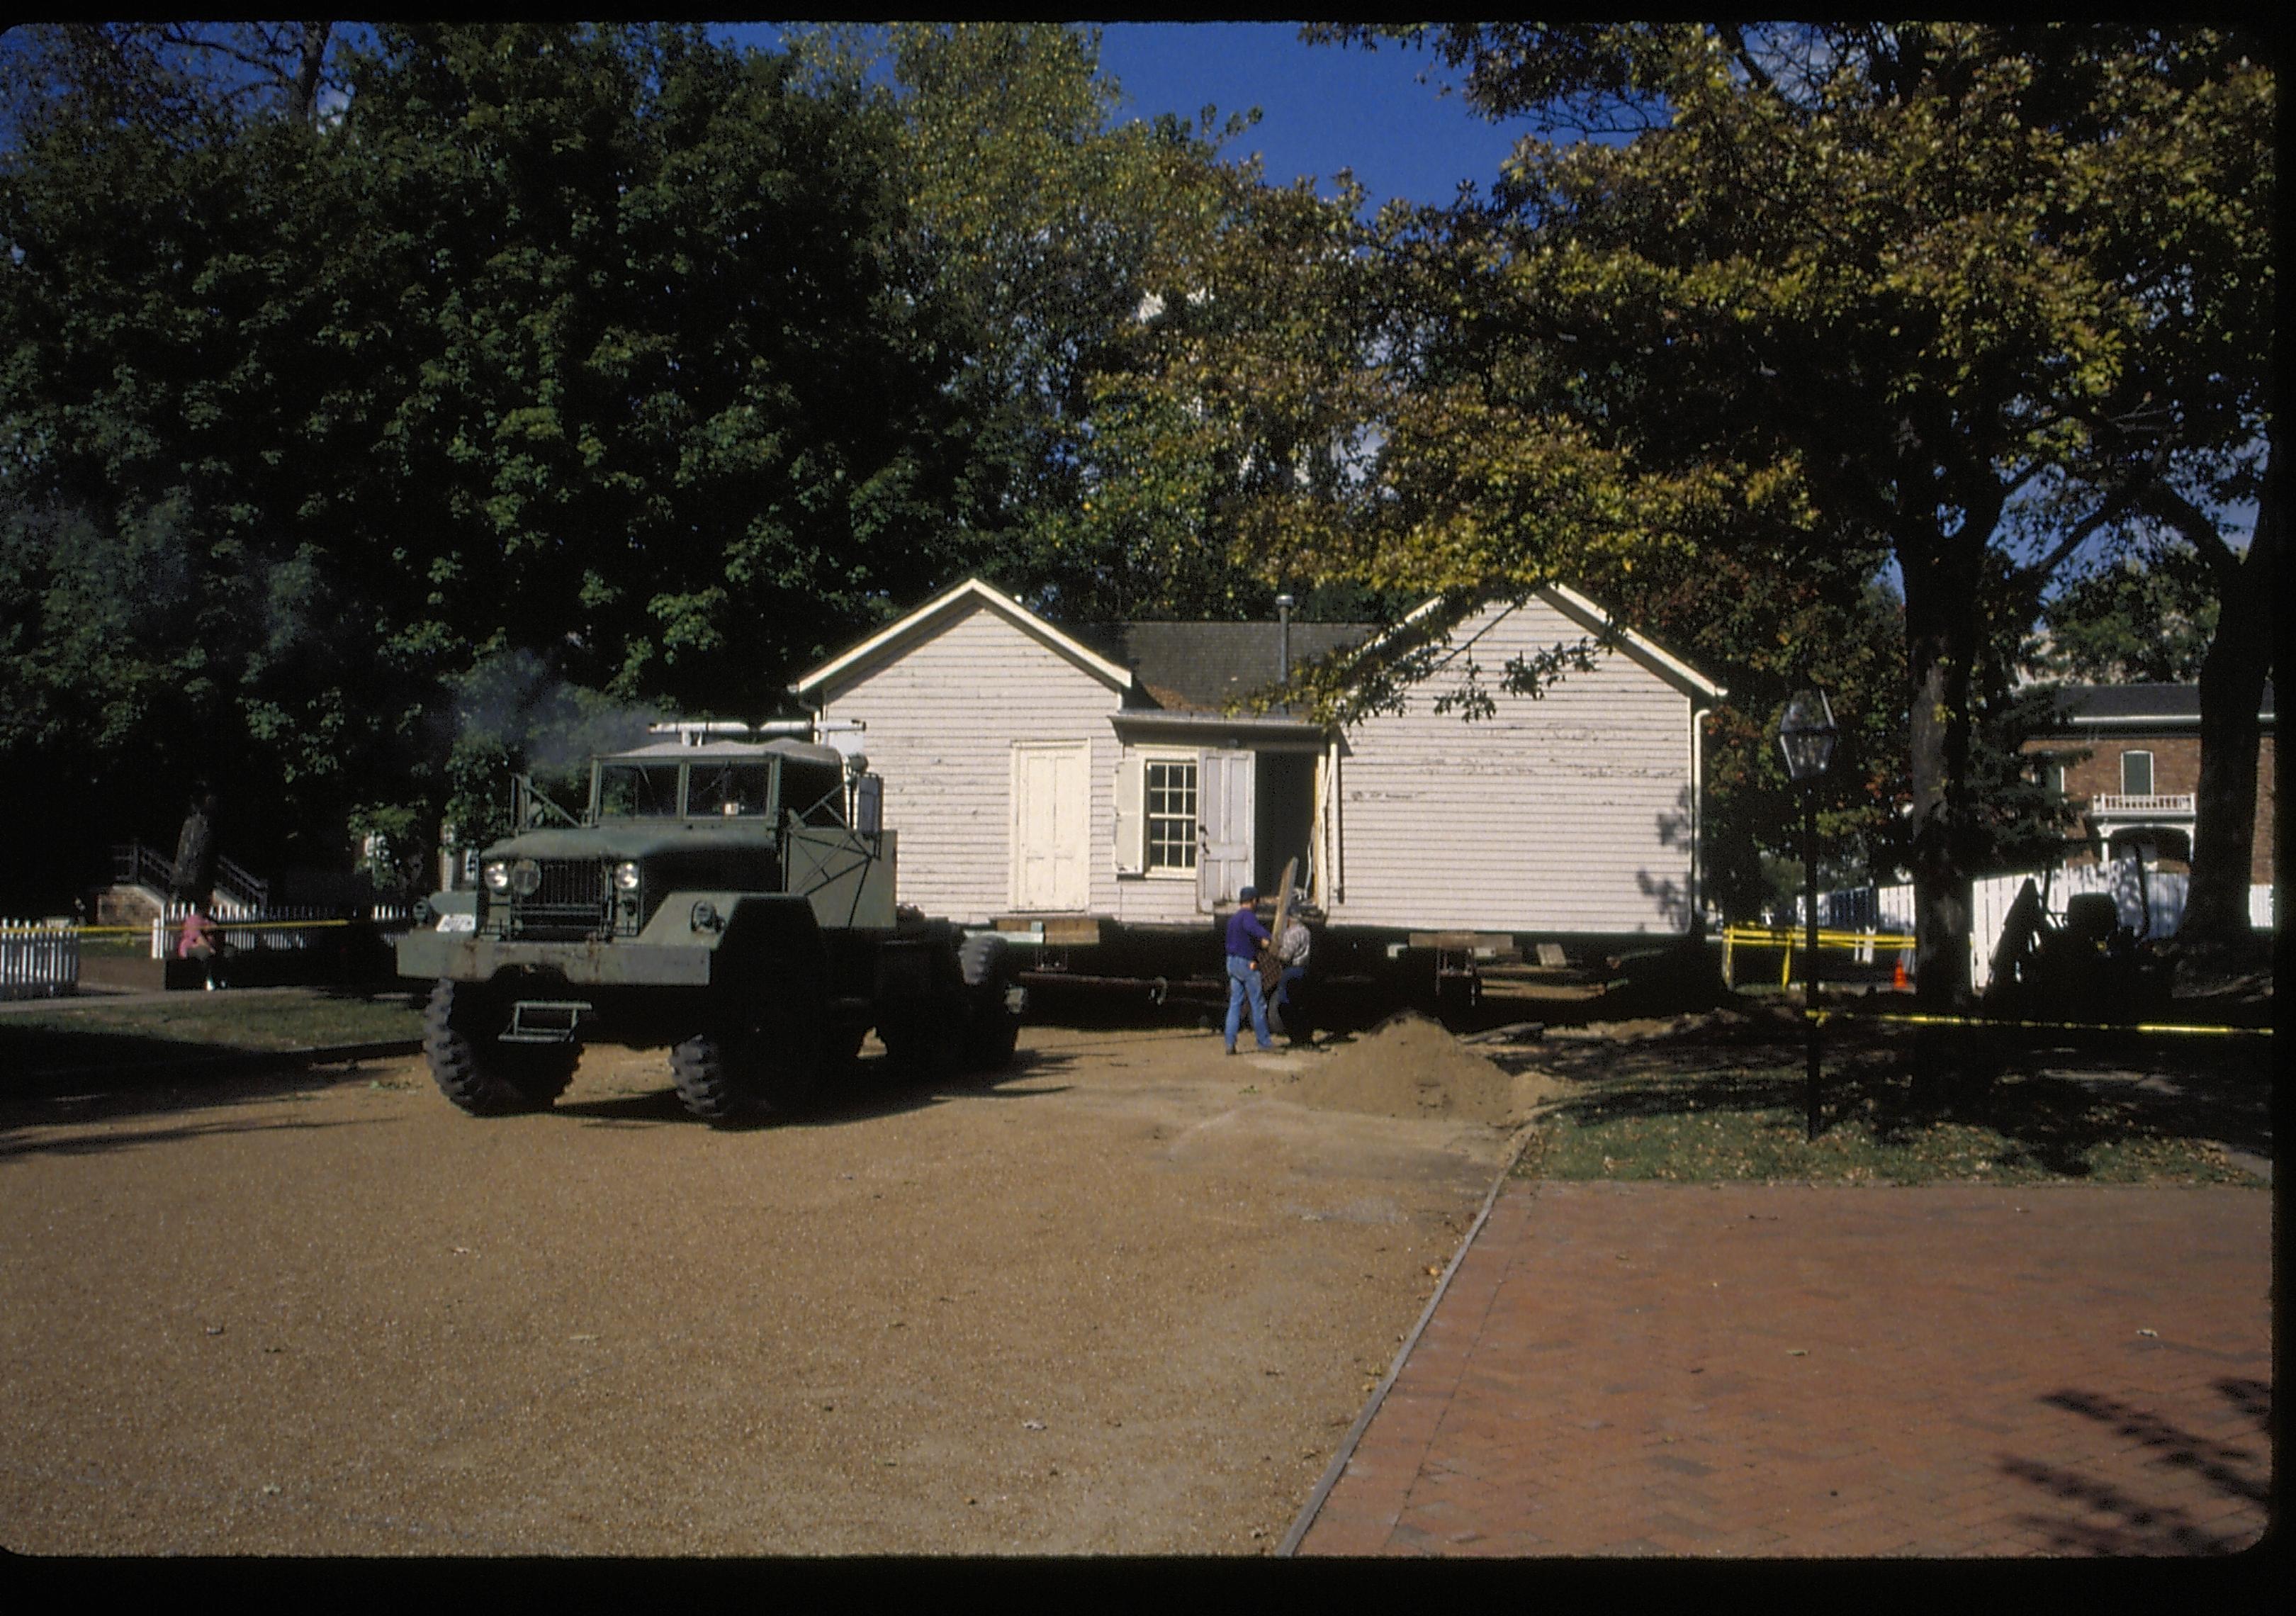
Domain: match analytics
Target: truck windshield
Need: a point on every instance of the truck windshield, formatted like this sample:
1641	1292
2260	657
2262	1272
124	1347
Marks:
637	790
731	790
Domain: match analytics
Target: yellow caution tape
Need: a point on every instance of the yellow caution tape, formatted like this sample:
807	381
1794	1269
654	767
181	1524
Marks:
174	926
1785	937
1920	1019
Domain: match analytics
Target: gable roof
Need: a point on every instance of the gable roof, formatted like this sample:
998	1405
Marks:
899	635
1640	646
1201	667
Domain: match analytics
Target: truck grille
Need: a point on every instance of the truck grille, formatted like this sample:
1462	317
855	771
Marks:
575	900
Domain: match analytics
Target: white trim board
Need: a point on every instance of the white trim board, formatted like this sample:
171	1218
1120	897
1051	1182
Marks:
971	591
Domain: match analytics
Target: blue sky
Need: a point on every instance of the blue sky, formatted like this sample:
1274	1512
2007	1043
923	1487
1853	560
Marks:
1323	108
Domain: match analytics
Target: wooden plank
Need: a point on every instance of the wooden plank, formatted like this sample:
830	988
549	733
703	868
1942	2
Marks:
1491	944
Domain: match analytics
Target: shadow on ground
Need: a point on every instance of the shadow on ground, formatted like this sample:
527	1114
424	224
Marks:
2054	1100
111	1142
873	1088
2098	1518
36	1057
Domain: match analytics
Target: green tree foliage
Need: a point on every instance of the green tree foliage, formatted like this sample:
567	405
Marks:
2141	619
1845	294
1065	242
667	383
597	346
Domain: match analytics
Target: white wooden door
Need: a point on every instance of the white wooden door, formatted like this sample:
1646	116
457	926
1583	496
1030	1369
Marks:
1052	824
1223	827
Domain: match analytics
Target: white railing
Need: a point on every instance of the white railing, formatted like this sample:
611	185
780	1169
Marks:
37	960
238	890
2173	804
242	929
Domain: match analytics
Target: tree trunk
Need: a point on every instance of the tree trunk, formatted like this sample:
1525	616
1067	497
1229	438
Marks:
311	61
1941	641
2232	687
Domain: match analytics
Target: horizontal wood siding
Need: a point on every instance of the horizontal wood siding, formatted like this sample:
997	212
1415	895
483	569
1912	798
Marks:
942	718
1569	813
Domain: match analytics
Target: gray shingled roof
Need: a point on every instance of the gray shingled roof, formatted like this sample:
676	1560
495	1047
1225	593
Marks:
2129	703
1202	667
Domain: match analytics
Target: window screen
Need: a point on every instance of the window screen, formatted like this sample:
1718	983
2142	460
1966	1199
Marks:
2137	774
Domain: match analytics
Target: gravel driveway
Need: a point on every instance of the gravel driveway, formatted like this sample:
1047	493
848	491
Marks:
1121	1302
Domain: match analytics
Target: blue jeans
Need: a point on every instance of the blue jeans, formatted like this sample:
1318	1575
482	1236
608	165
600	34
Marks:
1243	982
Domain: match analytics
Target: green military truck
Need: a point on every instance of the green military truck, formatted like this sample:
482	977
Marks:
731	900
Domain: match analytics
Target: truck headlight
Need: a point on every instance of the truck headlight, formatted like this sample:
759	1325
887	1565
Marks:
626	877
526	878
497	877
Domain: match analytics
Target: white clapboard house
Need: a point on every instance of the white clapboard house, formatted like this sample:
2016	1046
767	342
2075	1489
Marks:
1042	772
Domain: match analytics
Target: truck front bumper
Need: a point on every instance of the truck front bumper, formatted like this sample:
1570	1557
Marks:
460	956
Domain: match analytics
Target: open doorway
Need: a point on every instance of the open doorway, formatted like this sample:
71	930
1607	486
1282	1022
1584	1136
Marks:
1283	816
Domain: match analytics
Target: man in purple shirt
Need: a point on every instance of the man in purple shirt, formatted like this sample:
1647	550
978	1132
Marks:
1246	937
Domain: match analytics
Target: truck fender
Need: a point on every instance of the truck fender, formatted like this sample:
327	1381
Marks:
772	927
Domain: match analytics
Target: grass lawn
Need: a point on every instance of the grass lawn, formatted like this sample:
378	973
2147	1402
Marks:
1724	1103
70	1035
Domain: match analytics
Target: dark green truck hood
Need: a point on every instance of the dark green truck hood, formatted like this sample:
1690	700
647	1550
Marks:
639	839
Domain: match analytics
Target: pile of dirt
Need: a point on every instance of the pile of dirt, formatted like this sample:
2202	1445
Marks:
1408	1066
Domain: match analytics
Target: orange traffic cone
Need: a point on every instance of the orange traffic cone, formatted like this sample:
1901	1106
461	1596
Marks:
1898	981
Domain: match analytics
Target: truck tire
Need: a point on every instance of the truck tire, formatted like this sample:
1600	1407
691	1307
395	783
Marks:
992	1030
484	1077
763	1062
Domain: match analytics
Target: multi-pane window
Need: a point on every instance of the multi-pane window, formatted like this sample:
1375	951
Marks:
1171	814
2137	774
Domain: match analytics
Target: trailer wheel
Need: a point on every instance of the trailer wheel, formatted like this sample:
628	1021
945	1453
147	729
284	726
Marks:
992	1037
484	1077
991	1028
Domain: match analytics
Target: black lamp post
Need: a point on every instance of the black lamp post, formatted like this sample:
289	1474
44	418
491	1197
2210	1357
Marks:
1806	735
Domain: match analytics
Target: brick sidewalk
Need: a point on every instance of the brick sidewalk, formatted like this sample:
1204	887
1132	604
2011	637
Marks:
1642	1369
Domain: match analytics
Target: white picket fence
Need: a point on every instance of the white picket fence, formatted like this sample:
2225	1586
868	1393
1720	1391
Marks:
37	960
265	928
2149	903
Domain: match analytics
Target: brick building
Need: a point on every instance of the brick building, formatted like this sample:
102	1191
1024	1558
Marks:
2129	757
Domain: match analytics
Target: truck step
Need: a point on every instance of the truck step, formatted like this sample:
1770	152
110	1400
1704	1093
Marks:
545	1022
